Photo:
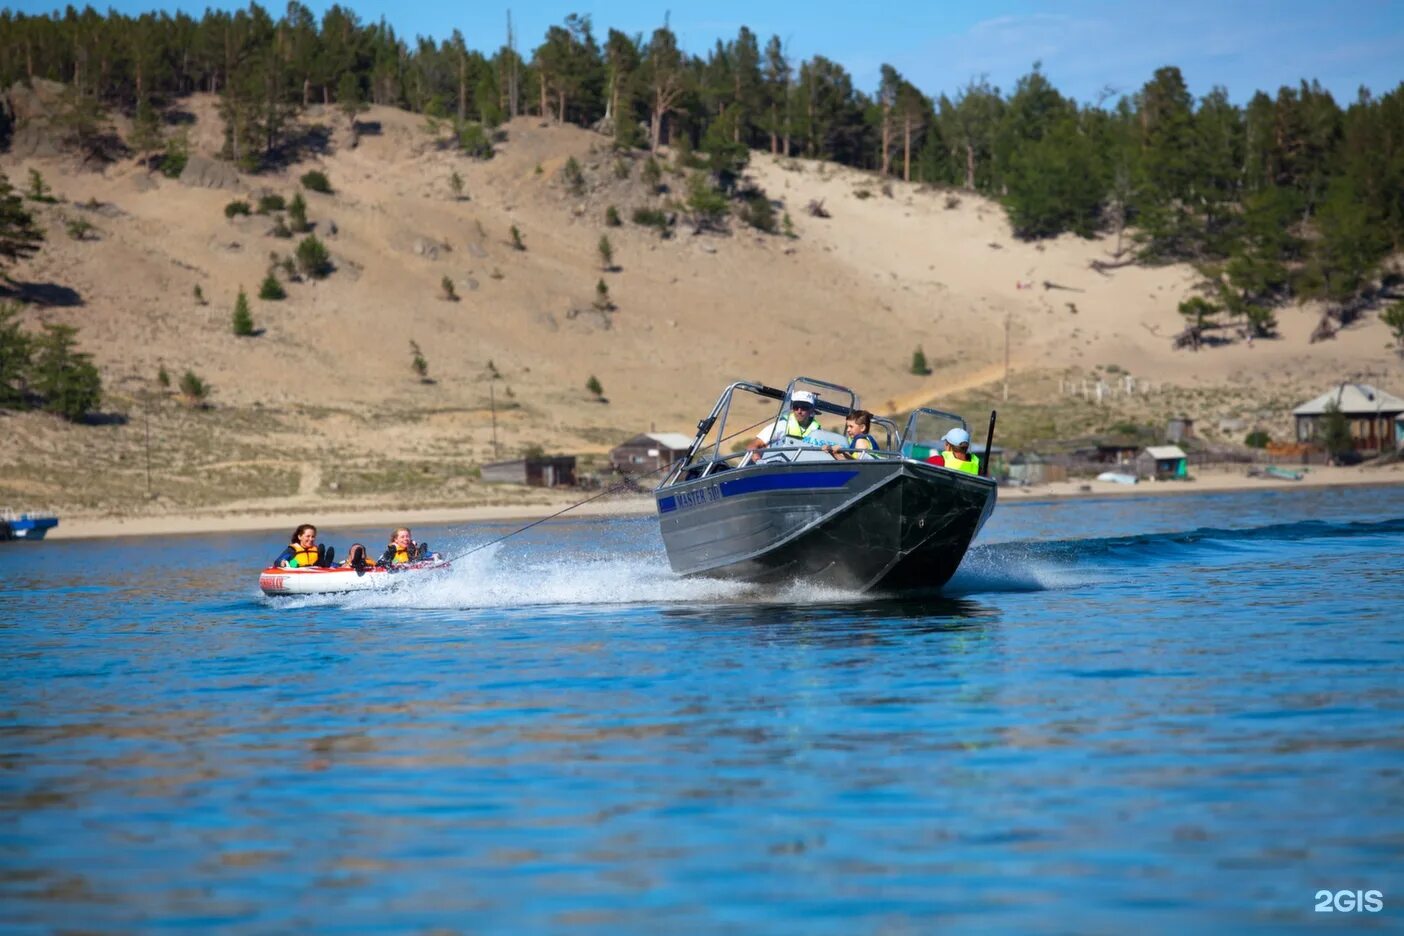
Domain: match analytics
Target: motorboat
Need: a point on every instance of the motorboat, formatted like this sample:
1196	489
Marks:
15	525
889	521
336	580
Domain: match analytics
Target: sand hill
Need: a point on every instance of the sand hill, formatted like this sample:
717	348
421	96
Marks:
322	408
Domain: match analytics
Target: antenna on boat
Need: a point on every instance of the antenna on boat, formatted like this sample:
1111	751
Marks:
989	446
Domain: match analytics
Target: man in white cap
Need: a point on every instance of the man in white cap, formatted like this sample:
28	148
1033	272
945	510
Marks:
957	454
794	427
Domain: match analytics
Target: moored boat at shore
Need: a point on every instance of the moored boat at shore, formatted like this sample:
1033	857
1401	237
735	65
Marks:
15	525
890	521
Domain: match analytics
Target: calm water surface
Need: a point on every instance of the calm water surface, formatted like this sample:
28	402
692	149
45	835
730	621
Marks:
1161	714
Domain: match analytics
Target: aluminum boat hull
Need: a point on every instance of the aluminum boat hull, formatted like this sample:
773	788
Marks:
889	525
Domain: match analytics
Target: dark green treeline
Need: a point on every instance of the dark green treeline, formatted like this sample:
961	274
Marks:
1290	196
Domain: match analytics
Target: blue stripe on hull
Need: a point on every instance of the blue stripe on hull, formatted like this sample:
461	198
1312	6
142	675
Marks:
795	481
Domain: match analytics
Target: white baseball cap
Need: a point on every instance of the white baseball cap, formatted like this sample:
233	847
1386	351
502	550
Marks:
957	437
804	396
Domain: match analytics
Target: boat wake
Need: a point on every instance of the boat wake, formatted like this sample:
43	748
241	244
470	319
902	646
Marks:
497	577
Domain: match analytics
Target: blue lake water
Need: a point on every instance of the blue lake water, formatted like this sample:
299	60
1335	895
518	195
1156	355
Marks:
1167	714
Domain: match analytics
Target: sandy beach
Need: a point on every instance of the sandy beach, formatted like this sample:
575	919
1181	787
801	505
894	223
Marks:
1212	481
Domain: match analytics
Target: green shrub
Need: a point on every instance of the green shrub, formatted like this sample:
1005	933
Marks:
652	174
271	290
417	362
446	284
606	250
708	206
312	257
573	177
650	217
456	183
39	191
1257	439
243	319
193	388
474	141
270	203
517	242
612	217
78	228
200	295
919	365
759	213
176	156
316	181
281	229
297	214
236	208
163	377
593	385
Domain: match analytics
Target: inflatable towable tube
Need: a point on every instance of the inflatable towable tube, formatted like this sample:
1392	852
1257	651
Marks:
319	581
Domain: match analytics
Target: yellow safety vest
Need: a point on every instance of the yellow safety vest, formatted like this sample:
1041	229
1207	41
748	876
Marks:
303	558
401	556
972	466
794	431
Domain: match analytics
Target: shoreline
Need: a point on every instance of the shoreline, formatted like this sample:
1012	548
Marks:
225	521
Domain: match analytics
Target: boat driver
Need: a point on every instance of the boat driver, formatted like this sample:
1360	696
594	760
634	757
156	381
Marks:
795	427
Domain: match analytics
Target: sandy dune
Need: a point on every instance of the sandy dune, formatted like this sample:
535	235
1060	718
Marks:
328	388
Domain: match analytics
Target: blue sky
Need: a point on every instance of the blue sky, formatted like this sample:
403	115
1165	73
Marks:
1084	45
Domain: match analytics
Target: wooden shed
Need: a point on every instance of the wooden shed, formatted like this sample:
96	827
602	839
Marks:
535	471
1163	463
650	451
1370	412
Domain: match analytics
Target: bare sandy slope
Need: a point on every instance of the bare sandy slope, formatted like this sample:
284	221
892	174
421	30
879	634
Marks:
327	387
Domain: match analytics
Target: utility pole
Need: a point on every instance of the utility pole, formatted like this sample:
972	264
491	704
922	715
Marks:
1008	319
146	413
492	401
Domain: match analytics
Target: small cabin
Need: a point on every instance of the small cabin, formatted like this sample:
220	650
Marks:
1163	463
534	471
649	452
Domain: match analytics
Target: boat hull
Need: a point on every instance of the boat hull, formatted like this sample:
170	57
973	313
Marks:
25	527
883	525
336	581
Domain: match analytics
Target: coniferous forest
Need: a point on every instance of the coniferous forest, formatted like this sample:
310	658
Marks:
1294	195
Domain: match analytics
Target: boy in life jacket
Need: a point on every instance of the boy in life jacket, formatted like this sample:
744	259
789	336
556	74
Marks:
304	551
858	431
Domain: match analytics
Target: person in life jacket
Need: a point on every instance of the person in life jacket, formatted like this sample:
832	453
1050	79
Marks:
403	550
858	431
957	454
304	551
792	429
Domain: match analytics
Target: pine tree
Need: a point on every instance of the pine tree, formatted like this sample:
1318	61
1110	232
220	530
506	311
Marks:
1393	317
15	348
243	319
146	138
606	253
517	242
446	285
20	237
418	364
65	378
593	385
456	184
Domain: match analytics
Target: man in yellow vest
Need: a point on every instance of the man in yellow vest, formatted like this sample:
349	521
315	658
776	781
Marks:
957	454
794	428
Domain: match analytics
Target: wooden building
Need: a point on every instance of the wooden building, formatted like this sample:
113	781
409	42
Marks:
1370	412
535	471
1163	463
651	451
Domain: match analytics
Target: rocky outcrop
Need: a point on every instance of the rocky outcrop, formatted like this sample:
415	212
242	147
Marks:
201	172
